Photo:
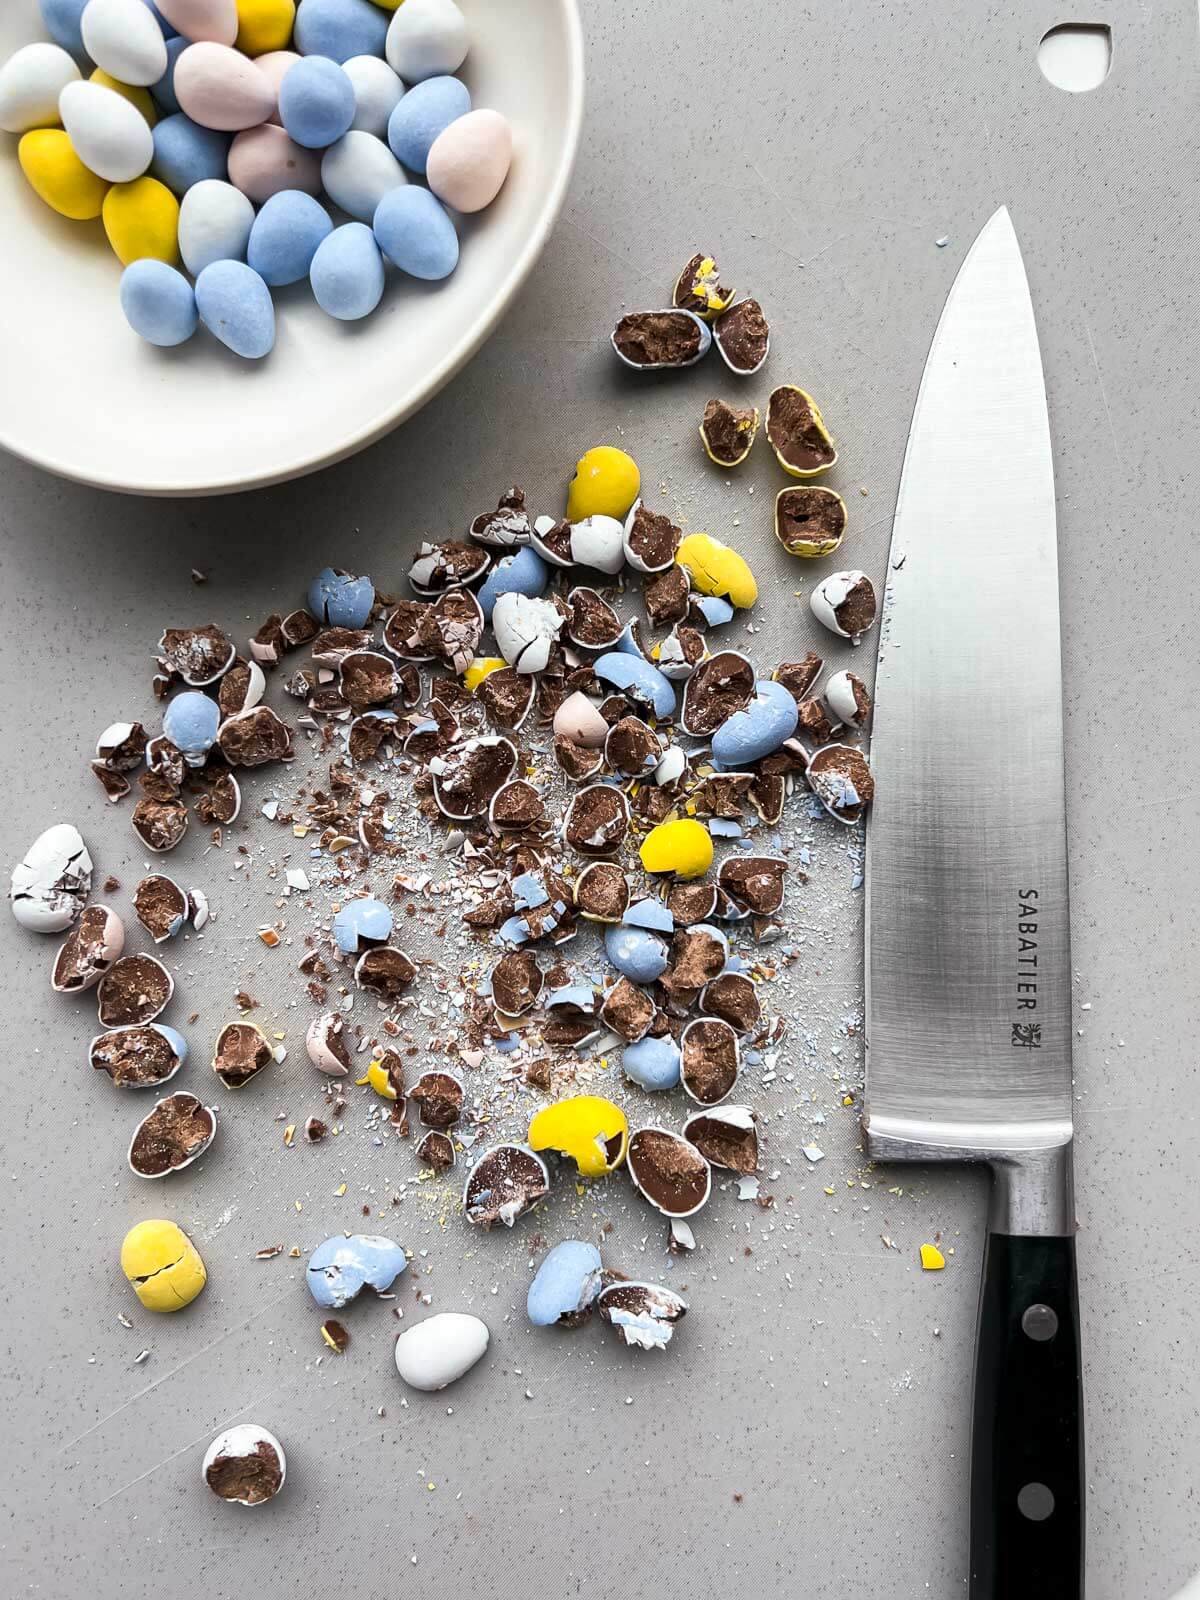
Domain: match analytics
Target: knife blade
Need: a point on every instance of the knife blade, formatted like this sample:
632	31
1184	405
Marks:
968	936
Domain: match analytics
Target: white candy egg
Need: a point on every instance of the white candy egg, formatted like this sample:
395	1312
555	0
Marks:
30	84
427	38
848	699
110	136
439	1350
526	629
123	37
377	93
51	883
214	225
358	171
245	1464
844	602
598	542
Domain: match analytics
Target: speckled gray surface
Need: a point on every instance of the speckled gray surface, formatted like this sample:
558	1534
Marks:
822	162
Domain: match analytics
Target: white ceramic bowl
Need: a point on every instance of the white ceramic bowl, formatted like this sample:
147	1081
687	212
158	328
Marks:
83	396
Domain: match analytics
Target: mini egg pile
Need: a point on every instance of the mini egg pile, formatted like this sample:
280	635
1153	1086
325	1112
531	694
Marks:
215	136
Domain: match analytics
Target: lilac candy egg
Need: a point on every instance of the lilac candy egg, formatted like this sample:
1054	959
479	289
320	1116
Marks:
636	953
652	1063
522	572
264	161
219	87
339	599
469	160
757	729
191	722
214	20
275	66
565	1285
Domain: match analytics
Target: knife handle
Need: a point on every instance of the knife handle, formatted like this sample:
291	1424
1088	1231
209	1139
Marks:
1027	1433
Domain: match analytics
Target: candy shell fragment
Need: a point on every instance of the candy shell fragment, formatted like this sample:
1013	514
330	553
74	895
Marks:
589	1129
669	1172
715	569
51	884
565	1286
840	778
844	602
742	337
932	1259
341	1267
503	1184
170	1137
699	289
727	1136
643	1315
650	340
797	433
88	951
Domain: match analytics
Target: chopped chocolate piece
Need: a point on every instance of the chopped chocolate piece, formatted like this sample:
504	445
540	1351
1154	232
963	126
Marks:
448	565
115	784
717	689
554	539
681	651
161	906
451	628
516	805
697	954
439	1098
198	655
88	950
658	339
755	882
814	723
467	777
393	1066
767	795
742	337
734	998
670	1172
122	748
809	520
436	1150
255	737
137	1057
708	1060
328	701
367	678
504	1184
539	1074
593	623
175	1133
384	971
790	757
336	1336
490	913
643	1315
299	627
653	804
839	776
797	432
722	795
516	983
691	902
798	677
508	525
402	629
627	1010
632	748
697	288
135	989
651	539
432	735
728	432
221	800
614	707
301	684
165	761
160	824
725	1136
666	598
239	687
410	684
332	645
241	1052
315	1130
268	644
368	732
602	892
597	820
250	1478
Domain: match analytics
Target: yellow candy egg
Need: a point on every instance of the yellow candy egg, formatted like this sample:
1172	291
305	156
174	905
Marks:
265	25
605	484
389	5
57	175
716	569
683	847
163	1265
141	220
482	667
592	1131
140	99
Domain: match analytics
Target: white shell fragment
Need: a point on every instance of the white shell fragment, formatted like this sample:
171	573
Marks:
245	1464
438	1351
51	883
86	954
599	542
526	629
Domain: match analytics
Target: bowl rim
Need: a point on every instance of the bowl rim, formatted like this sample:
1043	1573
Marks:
451	363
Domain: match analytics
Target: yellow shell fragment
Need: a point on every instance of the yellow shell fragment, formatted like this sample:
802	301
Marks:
716	569
683	847
932	1259
589	1129
606	484
376	1076
163	1265
482	667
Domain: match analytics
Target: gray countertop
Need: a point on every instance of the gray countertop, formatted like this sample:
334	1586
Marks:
807	1433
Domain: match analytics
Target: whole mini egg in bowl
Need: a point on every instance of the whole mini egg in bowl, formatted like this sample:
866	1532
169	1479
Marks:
83	396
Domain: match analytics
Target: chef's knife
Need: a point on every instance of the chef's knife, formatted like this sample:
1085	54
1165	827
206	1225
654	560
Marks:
968	940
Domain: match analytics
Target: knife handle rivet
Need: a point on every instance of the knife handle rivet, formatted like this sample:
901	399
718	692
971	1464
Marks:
1035	1502
1039	1323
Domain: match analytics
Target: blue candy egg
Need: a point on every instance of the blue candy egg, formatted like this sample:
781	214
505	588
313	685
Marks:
158	302
61	19
528	891
164	90
652	1063
360	924
285	236
316	102
185	153
340	600
634	676
757	729
339	1268
347	272
635	952
426	109
522	572
414	230
191	722
340	29
565	1284
235	305
649	913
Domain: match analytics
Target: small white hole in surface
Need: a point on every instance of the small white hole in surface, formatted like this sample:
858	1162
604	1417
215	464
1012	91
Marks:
1076	56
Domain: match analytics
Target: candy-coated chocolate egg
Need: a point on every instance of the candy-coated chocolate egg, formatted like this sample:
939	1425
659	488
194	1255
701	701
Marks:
163	1265
123	37
377	93
316	102
245	1464
439	1350
285	236
159	303
220	88
415	232
186	154
717	570
30	84
164	90
340	29
683	847
591	1130
427	38
235	305
213	20
358	171
215	220
141	220
758	728
58	176
62	19
469	160
140	99
606	483
264	161
110	136
51	883
264	25
347	272
565	1285
425	112
275	66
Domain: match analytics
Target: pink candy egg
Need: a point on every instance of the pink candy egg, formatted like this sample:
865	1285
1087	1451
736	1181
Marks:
469	160
273	65
215	20
218	87
263	161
